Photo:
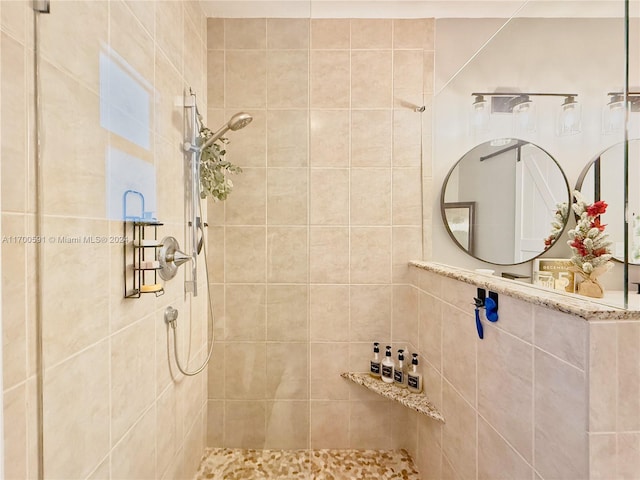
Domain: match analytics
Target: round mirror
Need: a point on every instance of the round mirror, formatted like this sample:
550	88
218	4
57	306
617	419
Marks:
501	200
602	179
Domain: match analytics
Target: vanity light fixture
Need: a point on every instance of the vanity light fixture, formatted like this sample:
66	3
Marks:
523	110
614	115
479	116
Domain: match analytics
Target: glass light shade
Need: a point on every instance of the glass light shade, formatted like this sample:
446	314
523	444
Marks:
524	117
479	116
613	116
569	118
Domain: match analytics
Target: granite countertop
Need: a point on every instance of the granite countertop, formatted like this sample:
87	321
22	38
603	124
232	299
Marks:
415	401
588	309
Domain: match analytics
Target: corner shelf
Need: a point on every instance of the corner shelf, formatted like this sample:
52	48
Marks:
415	401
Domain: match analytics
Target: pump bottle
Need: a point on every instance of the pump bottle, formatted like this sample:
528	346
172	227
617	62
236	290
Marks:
374	370
400	373
387	366
414	378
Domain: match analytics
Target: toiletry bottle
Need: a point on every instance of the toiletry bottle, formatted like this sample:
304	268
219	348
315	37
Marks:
400	373
414	378
375	361
387	367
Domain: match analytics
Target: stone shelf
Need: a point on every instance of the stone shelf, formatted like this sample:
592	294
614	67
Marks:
415	401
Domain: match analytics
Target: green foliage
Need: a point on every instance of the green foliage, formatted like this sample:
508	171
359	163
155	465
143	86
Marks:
215	171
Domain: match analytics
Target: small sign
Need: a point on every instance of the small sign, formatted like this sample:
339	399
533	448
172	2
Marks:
554	273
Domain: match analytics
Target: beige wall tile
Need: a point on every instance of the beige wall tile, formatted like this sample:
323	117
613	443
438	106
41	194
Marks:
459	442
371	79
562	335
505	388
453	292
287	196
408	71
602	456
248	148
245	375
287	78
371	138
168	429
215	255
102	472
134	456
413	33
287	255
330	33
244	425
329	255
215	33
168	116
459	344
288	371
407	141
407	245
85	320
370	307
329	196
15	432
431	283
368	425
287	425
13	20
429	458
370	255
245	33
603	378
77	389
241	66
287	33
329	313
330	79
245	312
14	306
370	196
132	374
287	137
496	458
79	188
430	329
195	441
628	454
405	313
215	423
429	69
327	362
134	44
169	31
329	424
407	196
14	125
560	419
215	380
215	79
245	253
247	203
371	33
628	415
329	138
76	54
287	313
516	317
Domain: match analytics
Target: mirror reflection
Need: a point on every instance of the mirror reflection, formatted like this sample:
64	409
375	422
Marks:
602	179
499	201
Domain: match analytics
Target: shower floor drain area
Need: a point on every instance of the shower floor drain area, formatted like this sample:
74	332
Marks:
241	464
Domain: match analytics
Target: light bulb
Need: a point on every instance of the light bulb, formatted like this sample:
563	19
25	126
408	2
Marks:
569	117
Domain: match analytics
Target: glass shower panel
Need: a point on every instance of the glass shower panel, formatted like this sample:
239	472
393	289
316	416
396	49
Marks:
562	54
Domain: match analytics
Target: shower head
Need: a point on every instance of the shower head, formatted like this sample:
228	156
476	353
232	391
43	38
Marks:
238	121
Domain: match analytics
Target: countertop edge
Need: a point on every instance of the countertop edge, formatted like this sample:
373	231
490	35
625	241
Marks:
583	308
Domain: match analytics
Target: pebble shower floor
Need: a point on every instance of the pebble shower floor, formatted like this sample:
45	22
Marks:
240	464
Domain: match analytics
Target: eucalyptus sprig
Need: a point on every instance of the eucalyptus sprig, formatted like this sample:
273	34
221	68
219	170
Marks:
214	169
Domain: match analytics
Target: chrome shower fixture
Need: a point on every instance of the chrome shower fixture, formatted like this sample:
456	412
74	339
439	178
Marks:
171	257
238	121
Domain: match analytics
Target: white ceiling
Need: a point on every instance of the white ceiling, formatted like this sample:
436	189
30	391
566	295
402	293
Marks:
415	8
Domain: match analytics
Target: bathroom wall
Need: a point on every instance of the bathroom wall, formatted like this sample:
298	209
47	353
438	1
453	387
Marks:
114	406
309	254
544	395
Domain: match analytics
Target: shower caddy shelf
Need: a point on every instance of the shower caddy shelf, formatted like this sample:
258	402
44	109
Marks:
142	253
